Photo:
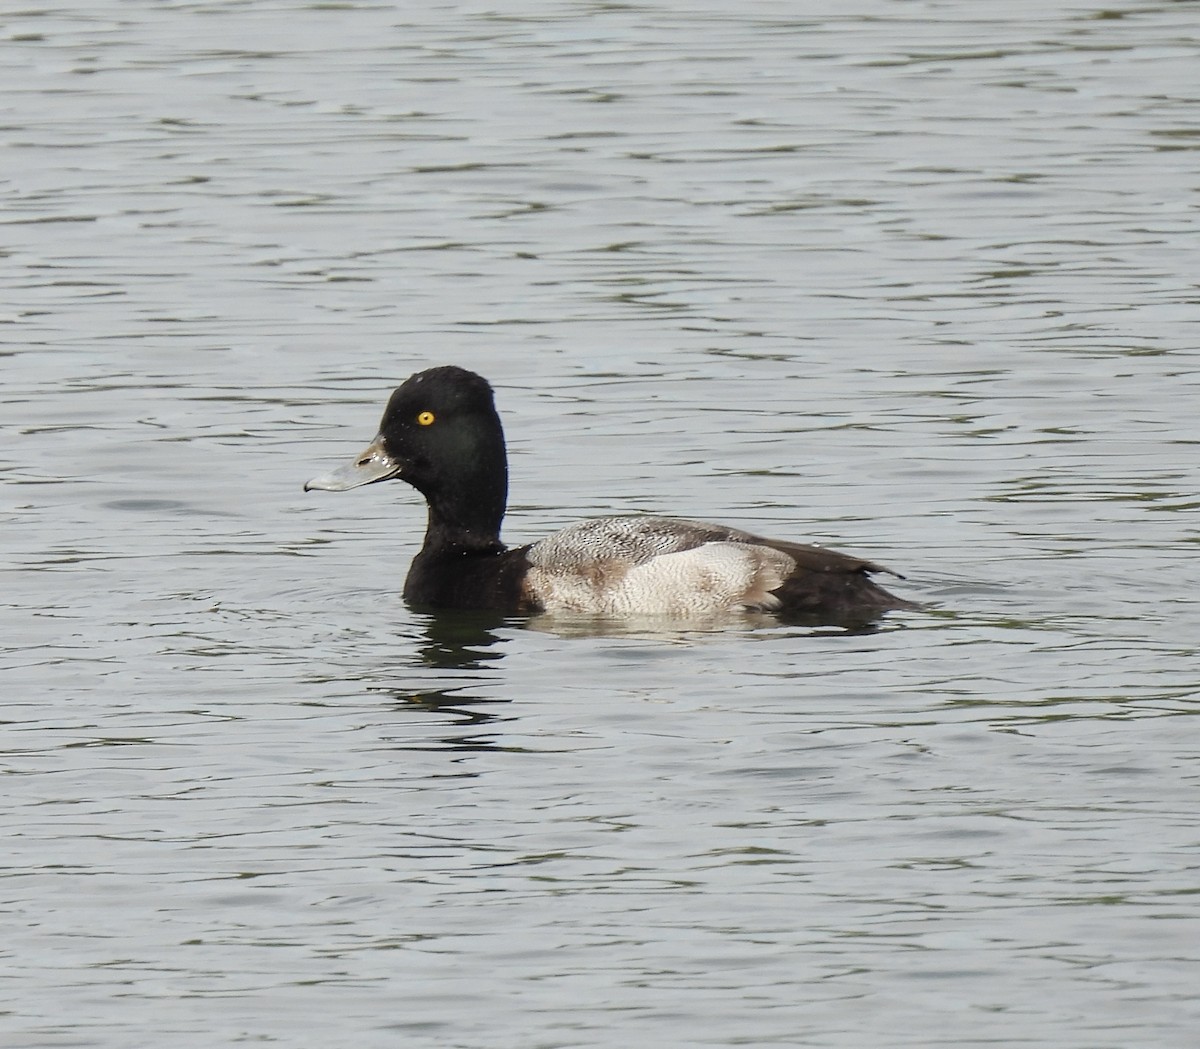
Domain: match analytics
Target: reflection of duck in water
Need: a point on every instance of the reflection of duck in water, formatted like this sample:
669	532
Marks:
441	434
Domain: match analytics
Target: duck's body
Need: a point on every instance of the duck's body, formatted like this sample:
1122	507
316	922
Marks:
441	434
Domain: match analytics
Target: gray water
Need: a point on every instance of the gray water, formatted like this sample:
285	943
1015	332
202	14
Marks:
915	280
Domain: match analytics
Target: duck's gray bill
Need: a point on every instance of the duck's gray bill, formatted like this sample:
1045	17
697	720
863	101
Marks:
374	464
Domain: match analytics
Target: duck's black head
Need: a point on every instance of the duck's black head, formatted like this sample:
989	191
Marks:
440	433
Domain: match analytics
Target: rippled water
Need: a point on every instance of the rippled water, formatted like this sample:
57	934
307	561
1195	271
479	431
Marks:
914	280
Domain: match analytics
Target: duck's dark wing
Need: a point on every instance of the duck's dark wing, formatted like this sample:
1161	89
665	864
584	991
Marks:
821	559
832	586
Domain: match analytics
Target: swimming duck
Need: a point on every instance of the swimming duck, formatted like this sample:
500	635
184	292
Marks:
441	434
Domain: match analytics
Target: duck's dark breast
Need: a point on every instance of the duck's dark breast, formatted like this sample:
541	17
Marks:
493	579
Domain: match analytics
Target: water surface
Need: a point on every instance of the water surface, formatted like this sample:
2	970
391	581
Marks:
912	280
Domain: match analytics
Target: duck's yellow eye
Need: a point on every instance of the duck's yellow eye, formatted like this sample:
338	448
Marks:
425	419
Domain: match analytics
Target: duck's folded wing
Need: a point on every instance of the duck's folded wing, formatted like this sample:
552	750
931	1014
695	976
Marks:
664	565
627	540
821	559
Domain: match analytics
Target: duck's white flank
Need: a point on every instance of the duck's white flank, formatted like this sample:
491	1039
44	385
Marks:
654	566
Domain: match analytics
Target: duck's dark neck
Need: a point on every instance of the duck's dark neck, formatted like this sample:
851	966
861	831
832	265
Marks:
465	515
453	534
460	566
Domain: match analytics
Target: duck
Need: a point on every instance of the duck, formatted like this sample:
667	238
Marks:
441	434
